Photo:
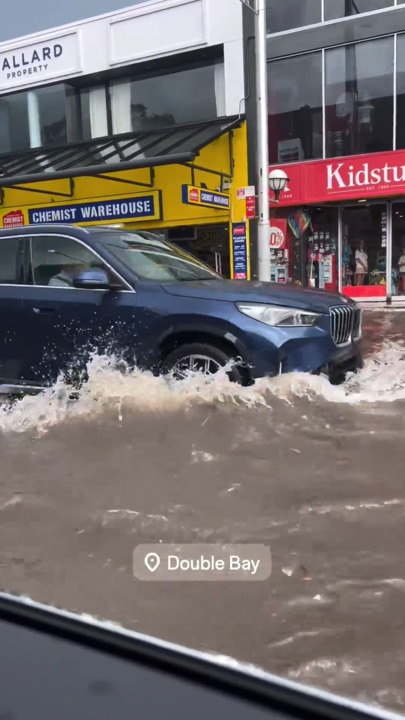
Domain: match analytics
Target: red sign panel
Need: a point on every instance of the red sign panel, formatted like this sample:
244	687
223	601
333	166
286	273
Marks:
341	179
278	234
250	207
194	195
13	219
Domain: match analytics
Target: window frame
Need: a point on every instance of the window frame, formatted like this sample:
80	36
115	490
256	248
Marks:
22	250
111	270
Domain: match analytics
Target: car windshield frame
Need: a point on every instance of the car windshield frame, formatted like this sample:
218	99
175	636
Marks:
158	260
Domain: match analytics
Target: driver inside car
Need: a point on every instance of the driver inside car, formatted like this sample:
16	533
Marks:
64	278
67	263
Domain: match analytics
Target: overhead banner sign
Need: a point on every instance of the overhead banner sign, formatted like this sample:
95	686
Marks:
192	195
39	61
139	207
357	177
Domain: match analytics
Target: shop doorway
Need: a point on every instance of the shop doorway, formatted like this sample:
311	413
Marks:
208	243
398	250
363	262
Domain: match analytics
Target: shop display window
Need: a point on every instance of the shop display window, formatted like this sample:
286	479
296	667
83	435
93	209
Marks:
364	248
312	245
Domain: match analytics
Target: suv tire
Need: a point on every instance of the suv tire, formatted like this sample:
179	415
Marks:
201	352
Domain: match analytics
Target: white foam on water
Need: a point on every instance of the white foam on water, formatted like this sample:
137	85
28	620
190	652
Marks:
382	380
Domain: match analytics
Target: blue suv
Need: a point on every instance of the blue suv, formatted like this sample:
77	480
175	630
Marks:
67	291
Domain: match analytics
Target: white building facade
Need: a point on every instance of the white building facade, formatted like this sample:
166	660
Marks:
102	76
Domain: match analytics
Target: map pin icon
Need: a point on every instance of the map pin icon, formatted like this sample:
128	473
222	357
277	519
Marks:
152	561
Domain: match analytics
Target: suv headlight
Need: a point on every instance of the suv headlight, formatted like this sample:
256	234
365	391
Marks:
277	316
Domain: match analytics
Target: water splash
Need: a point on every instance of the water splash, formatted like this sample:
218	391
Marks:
381	381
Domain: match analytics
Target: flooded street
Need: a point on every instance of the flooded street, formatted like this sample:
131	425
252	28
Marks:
314	471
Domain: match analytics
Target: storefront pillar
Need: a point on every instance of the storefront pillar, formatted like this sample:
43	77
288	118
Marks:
339	259
389	253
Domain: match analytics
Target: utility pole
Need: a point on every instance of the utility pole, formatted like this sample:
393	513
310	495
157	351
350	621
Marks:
263	199
277	179
258	7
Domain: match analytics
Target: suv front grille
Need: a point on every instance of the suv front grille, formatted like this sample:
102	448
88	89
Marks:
345	324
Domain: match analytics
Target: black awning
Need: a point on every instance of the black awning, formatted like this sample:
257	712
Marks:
148	149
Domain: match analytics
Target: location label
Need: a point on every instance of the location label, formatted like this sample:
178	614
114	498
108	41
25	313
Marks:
202	562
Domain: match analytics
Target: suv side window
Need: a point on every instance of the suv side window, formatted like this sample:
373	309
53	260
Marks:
56	259
12	261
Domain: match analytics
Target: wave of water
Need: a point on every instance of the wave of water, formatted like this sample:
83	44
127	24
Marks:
382	380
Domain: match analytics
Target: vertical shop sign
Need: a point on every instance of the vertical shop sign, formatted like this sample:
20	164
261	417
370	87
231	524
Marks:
239	251
250	204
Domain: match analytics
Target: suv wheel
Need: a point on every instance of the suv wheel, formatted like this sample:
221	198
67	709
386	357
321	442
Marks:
199	357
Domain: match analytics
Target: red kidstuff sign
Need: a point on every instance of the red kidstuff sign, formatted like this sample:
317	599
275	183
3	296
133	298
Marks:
278	234
339	179
15	218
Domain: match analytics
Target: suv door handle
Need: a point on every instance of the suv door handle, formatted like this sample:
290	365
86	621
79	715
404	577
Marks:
43	311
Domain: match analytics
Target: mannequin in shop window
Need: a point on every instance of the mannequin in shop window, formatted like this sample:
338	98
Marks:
361	259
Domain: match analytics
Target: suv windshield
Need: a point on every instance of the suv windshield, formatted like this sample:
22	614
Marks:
151	258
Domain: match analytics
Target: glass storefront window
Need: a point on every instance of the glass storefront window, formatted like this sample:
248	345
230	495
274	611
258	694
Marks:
178	97
311	244
334	9
288	14
364	245
295	108
359	98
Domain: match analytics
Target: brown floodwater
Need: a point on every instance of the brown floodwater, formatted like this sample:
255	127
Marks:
312	470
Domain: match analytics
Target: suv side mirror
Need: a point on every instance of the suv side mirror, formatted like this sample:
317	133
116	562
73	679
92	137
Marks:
92	279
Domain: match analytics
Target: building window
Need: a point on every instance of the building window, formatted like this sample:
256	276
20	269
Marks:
14	123
287	14
57	115
295	108
359	98
400	124
93	112
334	9
40	117
179	97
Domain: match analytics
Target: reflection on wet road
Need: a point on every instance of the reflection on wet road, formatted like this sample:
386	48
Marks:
314	471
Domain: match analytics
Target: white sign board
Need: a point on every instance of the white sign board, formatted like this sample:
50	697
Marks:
38	62
246	192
